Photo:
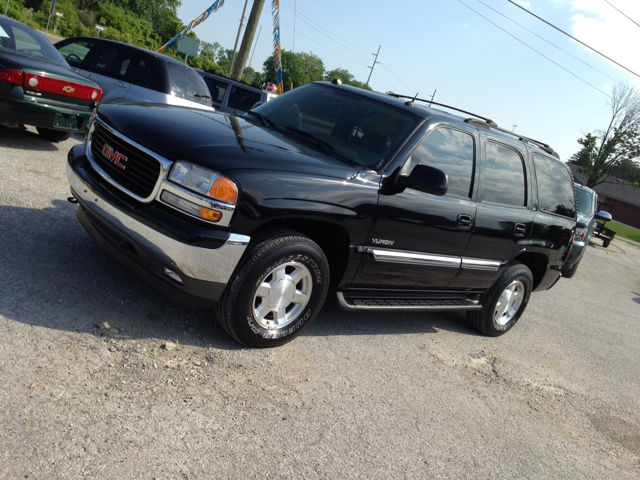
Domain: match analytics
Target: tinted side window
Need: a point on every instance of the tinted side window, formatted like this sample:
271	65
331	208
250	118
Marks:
242	98
504	179
217	89
451	151
145	72
113	60
76	52
555	187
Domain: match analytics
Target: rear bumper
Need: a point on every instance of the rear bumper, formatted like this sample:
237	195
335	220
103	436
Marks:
20	111
147	252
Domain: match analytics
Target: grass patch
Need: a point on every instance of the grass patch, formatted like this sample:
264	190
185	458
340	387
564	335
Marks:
624	231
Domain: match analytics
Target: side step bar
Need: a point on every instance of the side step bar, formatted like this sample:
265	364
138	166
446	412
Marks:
408	302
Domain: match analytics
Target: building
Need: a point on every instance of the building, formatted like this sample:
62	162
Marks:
615	196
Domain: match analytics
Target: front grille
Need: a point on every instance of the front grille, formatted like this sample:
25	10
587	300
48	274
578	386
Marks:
141	171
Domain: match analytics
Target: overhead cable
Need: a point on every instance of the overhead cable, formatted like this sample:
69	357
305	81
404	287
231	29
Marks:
622	13
572	37
530	47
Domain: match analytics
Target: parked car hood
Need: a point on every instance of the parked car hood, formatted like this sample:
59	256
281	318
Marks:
8	60
217	141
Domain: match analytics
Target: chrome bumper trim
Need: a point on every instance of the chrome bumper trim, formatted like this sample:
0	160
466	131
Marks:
195	262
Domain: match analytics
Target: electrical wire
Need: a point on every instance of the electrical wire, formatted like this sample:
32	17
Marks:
622	12
405	84
530	47
572	37
319	28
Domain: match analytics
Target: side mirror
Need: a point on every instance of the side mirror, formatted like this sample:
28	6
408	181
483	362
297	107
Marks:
425	179
604	216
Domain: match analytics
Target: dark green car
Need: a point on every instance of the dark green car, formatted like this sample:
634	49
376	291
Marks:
37	86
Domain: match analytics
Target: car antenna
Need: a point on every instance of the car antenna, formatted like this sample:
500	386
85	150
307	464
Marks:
412	103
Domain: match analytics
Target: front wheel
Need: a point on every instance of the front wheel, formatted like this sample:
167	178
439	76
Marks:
606	243
276	291
54	135
504	302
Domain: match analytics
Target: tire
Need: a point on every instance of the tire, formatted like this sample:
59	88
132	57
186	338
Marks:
54	135
569	270
606	243
276	291
494	319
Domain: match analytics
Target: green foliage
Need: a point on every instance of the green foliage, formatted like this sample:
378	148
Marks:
604	151
624	231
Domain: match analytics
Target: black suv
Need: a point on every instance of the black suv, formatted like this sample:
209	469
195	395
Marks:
392	205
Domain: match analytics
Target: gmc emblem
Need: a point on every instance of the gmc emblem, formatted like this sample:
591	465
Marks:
113	156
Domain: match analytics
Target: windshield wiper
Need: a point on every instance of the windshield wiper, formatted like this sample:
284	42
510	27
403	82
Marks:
197	95
265	121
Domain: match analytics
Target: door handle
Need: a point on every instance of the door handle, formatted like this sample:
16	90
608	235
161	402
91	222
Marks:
120	84
519	230
464	221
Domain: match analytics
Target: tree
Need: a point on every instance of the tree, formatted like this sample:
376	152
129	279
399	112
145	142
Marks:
297	69
603	151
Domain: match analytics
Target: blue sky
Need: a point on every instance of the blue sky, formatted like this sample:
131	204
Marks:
443	45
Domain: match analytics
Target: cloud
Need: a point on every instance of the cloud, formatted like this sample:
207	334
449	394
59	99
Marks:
605	29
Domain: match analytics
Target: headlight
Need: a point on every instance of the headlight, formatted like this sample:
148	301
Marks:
580	234
204	181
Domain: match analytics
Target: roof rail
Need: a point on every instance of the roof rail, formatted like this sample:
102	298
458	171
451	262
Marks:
488	123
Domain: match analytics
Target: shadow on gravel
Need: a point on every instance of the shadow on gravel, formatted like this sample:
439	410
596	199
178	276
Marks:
637	299
22	139
54	276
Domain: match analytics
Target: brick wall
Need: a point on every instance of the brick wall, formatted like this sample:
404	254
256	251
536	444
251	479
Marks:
620	211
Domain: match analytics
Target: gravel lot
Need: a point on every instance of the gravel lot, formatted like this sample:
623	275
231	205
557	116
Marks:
102	378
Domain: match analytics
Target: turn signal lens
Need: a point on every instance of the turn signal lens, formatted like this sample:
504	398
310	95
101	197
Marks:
212	215
13	76
224	189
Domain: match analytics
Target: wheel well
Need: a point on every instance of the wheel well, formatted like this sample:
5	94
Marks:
537	263
332	239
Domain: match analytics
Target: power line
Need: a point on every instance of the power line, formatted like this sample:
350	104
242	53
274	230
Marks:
530	47
326	48
623	13
319	29
572	37
550	43
405	84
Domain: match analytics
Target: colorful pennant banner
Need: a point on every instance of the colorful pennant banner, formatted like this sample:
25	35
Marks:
277	53
213	8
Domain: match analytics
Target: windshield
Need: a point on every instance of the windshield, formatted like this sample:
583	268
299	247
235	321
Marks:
585	204
26	42
357	129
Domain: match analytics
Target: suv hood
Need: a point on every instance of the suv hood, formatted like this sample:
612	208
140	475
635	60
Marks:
217	141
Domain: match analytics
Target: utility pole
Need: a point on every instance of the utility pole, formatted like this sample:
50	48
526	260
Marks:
235	47
371	67
247	39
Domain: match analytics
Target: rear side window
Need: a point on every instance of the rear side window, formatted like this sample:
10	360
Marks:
555	187
217	89
75	53
187	84
452	151
242	99
113	60
504	178
26	42
145	72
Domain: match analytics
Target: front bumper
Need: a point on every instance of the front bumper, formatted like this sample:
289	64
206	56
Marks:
122	233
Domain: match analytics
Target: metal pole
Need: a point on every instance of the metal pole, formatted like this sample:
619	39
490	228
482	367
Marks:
371	67
6	12
56	25
235	47
185	58
255	45
47	29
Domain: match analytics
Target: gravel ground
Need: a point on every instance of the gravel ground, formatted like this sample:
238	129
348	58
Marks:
103	378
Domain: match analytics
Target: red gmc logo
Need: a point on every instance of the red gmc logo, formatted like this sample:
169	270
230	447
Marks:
113	156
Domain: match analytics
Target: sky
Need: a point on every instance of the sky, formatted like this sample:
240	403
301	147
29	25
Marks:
528	77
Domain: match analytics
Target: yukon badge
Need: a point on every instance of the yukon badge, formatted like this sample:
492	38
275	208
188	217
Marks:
380	241
113	156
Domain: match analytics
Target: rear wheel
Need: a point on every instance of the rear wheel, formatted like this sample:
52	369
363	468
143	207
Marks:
54	135
276	291
606	243
504	302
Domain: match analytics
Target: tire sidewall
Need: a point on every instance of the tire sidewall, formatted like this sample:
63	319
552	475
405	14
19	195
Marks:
522	274
248	329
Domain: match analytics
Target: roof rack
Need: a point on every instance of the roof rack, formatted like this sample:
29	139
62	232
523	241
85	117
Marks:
488	123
